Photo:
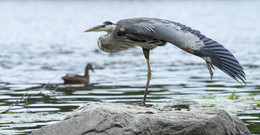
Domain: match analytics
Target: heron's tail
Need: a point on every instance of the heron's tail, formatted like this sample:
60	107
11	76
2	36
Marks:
221	58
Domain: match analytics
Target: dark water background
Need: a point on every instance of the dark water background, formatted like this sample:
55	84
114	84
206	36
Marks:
41	41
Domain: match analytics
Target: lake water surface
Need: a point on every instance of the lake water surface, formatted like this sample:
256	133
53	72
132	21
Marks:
41	41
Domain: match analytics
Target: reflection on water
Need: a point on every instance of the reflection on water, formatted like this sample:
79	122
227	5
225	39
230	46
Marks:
44	40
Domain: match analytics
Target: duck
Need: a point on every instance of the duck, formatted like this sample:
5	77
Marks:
78	79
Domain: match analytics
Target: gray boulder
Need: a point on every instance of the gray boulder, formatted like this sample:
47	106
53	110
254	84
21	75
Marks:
125	119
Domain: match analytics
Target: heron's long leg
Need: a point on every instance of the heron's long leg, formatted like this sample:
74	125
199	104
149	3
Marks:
149	75
210	66
210	70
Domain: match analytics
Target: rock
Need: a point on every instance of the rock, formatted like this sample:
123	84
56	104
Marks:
125	119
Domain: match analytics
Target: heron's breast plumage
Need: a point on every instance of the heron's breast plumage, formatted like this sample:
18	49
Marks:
118	41
108	43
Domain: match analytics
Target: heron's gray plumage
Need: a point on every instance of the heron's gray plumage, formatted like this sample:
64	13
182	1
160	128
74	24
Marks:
160	29
149	33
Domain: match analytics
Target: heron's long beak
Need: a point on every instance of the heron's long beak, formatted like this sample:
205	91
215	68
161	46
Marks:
96	28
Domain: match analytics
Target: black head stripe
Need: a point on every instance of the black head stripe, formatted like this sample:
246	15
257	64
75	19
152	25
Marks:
107	23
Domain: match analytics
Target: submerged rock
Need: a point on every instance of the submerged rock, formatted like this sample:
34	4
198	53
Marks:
125	119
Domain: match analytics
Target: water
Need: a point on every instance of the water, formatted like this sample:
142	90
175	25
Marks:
41	41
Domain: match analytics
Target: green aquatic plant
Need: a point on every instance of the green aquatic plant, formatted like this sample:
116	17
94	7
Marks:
233	102
232	96
209	97
208	105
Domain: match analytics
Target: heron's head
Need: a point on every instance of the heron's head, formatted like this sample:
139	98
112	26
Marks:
104	26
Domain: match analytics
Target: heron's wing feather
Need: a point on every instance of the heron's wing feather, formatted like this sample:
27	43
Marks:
187	39
221	58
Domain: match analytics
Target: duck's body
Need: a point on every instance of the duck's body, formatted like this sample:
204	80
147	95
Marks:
75	79
78	79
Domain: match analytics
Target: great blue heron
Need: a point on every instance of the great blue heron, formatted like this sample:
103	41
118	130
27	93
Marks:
149	33
78	79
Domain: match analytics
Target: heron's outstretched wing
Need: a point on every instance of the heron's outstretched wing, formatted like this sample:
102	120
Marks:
187	39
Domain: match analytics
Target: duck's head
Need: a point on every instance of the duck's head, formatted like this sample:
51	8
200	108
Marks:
89	67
